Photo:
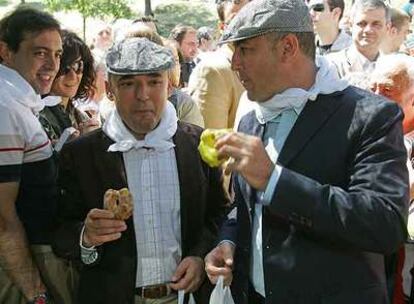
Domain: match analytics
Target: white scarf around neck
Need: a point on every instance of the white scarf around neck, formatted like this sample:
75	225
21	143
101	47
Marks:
159	138
327	81
21	91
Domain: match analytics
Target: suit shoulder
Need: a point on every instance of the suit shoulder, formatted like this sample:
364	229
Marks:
369	110
190	129
84	141
369	102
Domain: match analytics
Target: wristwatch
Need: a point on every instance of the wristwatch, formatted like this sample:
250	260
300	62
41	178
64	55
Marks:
41	298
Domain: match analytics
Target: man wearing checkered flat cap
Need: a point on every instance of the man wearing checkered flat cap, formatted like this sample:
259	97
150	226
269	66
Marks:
178	201
320	181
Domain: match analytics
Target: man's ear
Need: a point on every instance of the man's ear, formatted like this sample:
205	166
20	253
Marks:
393	30
170	88
389	26
5	53
337	13
108	89
290	46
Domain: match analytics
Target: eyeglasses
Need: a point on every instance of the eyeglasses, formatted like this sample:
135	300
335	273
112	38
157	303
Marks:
318	7
76	66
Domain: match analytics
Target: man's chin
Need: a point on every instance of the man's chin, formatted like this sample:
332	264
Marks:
43	90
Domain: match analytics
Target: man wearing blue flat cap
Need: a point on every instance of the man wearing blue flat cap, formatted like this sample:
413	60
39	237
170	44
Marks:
320	181
178	201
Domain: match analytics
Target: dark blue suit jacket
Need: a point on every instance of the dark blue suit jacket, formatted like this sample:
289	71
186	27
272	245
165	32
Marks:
339	205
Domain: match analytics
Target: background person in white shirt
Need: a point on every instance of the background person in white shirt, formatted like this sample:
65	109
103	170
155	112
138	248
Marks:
326	15
370	23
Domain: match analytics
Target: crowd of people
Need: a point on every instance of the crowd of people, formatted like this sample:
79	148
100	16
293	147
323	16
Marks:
310	205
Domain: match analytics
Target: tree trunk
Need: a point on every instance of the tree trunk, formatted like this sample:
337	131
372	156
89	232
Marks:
84	28
148	9
22	1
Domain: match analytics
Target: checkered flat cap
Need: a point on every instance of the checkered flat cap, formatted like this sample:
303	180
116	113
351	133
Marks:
260	17
136	56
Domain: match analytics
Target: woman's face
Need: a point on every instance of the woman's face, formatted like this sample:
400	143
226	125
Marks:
67	83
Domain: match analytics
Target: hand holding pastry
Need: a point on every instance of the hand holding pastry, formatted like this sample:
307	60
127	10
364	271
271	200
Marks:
103	226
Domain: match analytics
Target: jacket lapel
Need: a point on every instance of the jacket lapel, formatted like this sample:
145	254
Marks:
109	165
250	126
311	119
188	172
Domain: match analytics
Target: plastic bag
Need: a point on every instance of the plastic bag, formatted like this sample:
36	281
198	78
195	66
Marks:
181	295
221	294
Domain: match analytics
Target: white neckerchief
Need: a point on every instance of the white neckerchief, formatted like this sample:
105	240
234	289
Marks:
51	101
20	89
327	81
159	139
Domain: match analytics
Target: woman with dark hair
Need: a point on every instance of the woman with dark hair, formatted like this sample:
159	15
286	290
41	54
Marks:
73	81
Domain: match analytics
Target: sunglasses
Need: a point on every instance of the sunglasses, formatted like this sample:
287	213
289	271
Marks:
319	7
76	66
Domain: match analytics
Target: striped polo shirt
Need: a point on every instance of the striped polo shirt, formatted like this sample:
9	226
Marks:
26	156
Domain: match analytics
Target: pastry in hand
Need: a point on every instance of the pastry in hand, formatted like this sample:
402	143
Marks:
119	202
206	147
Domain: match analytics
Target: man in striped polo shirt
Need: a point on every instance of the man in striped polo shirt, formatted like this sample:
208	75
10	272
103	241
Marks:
30	51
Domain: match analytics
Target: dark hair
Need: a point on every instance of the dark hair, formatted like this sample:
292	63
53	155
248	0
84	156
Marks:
179	31
73	48
22	21
145	32
337	3
146	19
203	33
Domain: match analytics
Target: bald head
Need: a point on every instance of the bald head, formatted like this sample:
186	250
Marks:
394	78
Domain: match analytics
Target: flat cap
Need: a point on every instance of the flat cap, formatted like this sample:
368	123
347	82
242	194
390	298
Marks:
260	17
137	56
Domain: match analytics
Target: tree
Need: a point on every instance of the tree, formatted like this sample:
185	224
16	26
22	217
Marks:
95	8
148	9
191	13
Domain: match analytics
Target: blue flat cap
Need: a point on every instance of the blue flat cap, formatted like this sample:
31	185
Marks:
260	17
137	56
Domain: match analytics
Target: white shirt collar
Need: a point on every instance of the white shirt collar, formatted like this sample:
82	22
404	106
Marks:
159	138
326	82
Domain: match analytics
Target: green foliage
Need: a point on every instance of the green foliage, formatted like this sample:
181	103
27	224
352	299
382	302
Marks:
4	2
187	13
95	8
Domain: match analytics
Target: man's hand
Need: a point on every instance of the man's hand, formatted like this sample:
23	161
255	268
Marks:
89	125
101	227
220	262
189	274
247	156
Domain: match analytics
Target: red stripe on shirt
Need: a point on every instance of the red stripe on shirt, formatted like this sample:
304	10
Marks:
38	147
11	149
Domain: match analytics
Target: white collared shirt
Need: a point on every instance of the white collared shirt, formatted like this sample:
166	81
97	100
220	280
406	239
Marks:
153	182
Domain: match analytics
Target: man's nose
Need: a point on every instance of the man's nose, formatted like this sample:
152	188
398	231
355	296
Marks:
368	28
53	62
142	93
